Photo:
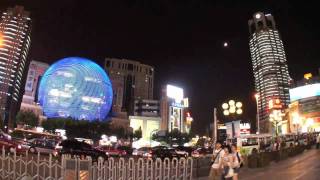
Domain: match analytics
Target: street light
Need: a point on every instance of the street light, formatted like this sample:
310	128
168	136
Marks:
296	120
257	96
275	118
232	108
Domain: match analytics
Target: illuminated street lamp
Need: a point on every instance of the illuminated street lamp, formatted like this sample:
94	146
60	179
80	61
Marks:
1	39
232	108
276	114
257	96
296	120
275	118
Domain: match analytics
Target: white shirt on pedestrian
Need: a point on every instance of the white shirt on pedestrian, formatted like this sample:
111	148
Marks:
218	153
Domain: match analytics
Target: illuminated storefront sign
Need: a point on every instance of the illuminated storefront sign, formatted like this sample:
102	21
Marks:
175	92
304	92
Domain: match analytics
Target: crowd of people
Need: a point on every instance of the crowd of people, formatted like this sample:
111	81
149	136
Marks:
226	162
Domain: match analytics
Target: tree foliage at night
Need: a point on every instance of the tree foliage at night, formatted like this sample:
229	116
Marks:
83	128
173	137
27	118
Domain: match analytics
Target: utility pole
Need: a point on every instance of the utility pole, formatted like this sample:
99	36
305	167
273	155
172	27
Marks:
215	129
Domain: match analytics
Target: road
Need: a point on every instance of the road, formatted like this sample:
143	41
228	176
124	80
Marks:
302	167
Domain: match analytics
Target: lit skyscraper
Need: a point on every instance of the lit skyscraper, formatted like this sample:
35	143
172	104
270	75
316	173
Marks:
269	65
15	30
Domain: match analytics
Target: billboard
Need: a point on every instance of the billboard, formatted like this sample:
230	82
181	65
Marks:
306	91
175	93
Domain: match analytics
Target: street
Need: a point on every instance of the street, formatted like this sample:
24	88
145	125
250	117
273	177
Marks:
302	167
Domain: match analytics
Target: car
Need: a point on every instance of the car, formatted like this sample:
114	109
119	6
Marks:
184	150
75	148
43	146
142	152
111	151
9	145
163	153
202	151
127	149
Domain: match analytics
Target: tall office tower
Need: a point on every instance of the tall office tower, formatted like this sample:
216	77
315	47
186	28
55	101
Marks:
130	80
29	100
270	68
15	30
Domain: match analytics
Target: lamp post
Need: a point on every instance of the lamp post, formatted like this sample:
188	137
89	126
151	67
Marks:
232	109
275	118
257	96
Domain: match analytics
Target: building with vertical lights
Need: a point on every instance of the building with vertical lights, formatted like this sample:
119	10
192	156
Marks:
269	63
130	80
15	31
30	97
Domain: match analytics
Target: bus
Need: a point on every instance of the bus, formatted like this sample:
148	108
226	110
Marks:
246	143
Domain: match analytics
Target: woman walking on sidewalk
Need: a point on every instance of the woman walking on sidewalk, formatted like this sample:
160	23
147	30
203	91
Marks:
227	163
215	171
236	162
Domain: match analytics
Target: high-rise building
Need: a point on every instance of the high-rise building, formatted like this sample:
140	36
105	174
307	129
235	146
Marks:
130	80
29	100
15	30
270	68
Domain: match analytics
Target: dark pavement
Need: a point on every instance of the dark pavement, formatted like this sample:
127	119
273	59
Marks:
305	166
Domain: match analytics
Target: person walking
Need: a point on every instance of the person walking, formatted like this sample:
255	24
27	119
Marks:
237	161
215	171
227	164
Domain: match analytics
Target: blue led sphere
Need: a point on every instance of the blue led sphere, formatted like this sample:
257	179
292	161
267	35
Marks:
75	87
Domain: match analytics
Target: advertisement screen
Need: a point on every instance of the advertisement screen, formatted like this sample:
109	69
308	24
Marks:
304	92
175	92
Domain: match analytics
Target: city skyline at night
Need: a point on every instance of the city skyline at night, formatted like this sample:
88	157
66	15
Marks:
183	41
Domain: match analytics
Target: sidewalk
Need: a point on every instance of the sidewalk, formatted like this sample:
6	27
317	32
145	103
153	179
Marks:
299	167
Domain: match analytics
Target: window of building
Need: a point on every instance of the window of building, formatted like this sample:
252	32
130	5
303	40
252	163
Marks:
130	67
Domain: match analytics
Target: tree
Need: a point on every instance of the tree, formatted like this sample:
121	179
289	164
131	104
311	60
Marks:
27	118
173	137
53	124
137	133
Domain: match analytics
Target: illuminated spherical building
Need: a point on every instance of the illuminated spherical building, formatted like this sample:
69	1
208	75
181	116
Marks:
75	87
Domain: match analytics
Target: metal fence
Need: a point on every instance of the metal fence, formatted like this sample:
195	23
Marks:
40	167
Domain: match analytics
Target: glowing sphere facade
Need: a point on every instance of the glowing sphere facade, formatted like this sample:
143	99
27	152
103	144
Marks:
75	87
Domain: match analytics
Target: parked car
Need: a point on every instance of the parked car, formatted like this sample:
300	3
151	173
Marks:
184	150
111	151
43	146
163	153
127	149
10	145
202	151
76	148
142	152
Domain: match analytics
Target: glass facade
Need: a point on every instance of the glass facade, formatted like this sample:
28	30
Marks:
269	63
15	30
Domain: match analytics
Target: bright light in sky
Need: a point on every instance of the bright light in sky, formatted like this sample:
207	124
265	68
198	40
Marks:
225	44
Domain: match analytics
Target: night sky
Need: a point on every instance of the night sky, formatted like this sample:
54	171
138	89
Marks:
182	39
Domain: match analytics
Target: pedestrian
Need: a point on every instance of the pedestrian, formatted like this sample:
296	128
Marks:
318	141
227	164
215	171
237	162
